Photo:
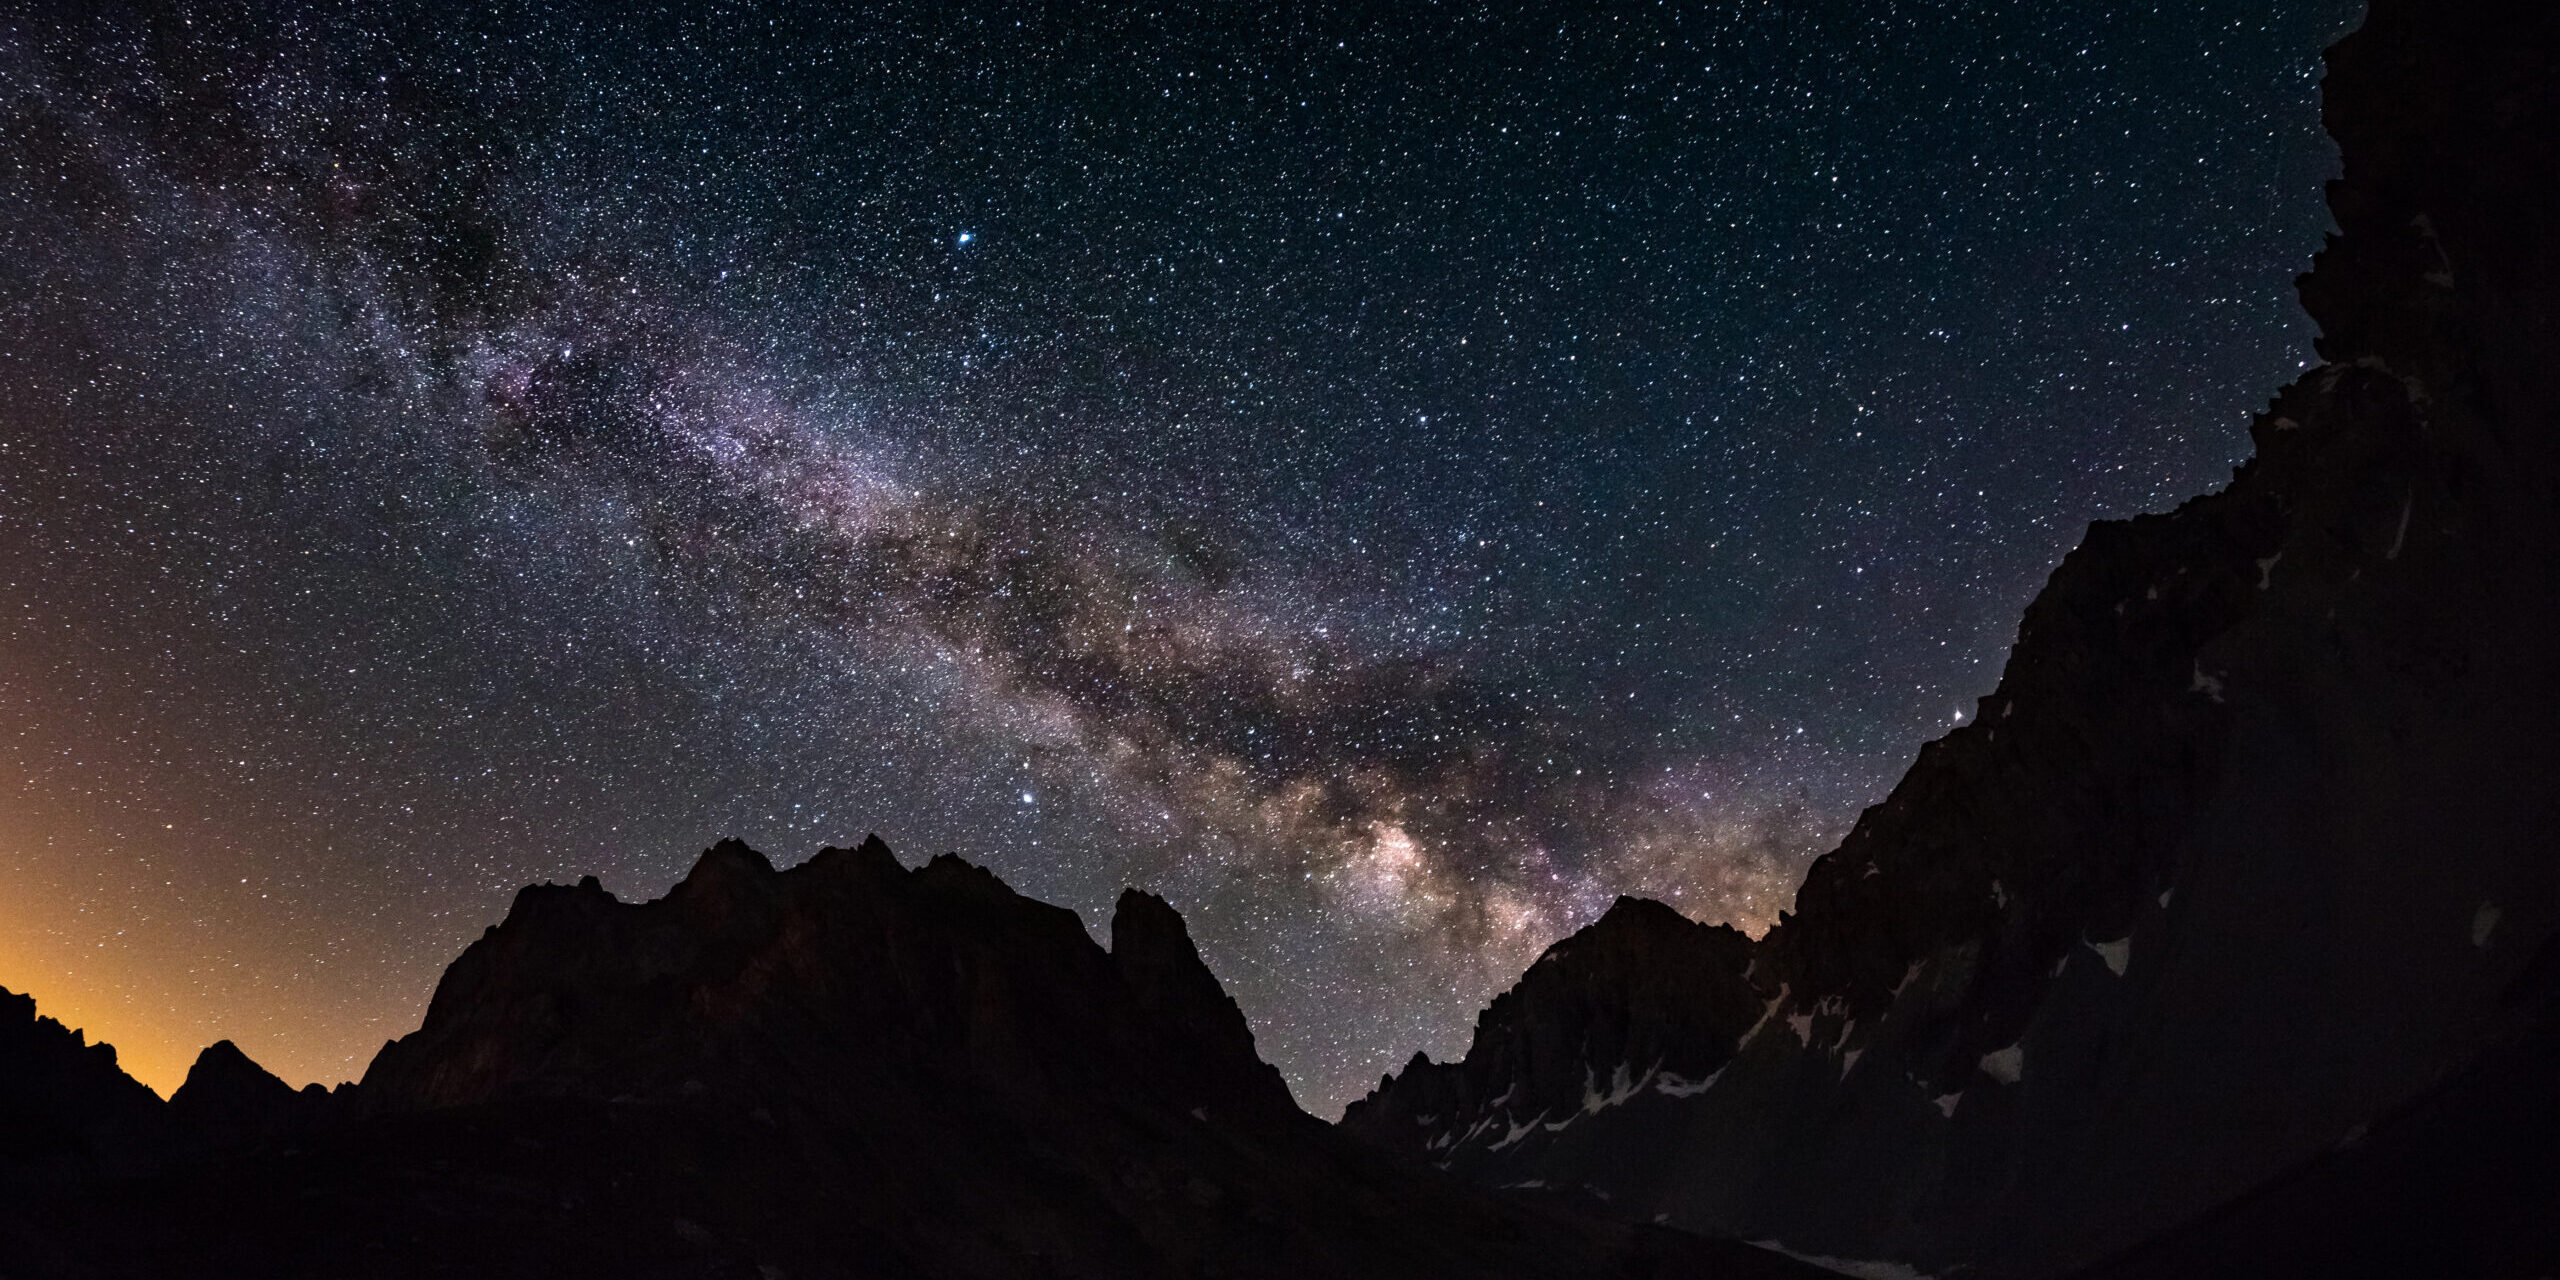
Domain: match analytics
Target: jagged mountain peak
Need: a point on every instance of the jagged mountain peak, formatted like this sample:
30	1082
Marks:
228	1098
65	1099
222	1068
730	861
1632	918
574	990
1151	948
1642	999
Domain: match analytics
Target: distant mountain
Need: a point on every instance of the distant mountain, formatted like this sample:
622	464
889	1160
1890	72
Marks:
2255	847
227	1099
847	1068
1643	1000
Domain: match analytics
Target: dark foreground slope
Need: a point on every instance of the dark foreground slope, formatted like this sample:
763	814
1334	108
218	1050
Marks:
843	1069
2249	857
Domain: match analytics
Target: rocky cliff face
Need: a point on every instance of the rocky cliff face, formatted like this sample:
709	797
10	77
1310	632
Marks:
1643	1001
847	1068
2257	829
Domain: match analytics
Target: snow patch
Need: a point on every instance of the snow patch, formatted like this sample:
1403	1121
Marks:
1672	1085
1862	1269
2400	536
2209	686
1623	1085
1767	1011
2115	953
2442	276
2267	569
1946	1104
1907	976
1849	1062
2005	1065
2167	894
2484	922
1518	1131
1999	896
1802	1023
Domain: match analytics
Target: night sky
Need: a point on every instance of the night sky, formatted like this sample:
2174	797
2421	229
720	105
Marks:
1389	481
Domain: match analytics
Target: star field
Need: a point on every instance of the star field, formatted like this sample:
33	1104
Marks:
1388	481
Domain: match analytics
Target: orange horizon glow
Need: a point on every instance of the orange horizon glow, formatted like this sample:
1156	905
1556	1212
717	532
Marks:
111	1006
112	983
125	942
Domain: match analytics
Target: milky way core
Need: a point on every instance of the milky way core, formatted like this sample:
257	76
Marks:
1389	480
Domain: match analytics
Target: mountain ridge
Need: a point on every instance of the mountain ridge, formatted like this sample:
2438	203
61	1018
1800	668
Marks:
844	1068
2254	831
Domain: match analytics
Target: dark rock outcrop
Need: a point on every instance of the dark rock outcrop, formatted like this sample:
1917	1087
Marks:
64	1101
846	1068
2258	825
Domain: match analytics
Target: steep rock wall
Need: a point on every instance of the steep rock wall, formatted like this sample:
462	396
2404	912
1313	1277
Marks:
2264	815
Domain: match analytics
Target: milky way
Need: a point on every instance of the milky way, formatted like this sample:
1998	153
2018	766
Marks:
1390	483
